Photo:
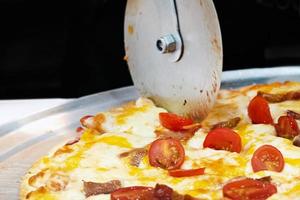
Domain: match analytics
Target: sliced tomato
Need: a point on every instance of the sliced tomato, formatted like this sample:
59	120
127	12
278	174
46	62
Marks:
267	157
223	139
259	111
174	122
186	172
166	153
287	127
249	189
133	193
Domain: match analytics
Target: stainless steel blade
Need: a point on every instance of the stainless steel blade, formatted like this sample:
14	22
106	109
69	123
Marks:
183	77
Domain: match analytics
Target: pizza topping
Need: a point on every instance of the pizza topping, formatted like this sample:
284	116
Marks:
231	123
296	141
249	189
87	121
276	98
92	188
135	156
287	127
133	193
57	182
186	172
174	122
223	139
79	132
163	192
259	111
185	134
35	179
93	122
265	179
182	136
40	191
267	157
63	150
293	114
159	192
166	153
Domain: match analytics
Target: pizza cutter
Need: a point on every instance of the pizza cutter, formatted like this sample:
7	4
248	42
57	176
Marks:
174	53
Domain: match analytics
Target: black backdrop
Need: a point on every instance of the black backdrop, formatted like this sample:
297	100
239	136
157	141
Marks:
74	48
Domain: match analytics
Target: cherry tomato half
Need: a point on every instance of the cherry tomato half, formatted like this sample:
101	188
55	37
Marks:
186	172
287	127
267	157
166	153
223	139
174	122
259	111
133	193
249	189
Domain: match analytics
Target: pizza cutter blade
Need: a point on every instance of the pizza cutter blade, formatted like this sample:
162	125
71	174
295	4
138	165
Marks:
174	53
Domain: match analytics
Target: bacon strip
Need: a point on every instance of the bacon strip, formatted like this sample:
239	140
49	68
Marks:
265	179
79	132
93	122
293	114
135	156
231	123
276	98
92	188
183	136
159	192
296	141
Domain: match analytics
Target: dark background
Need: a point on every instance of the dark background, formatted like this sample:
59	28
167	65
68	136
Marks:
70	49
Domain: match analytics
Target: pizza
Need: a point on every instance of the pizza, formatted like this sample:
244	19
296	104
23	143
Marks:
246	148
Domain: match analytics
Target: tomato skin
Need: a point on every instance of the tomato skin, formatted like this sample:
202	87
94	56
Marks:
223	139
166	153
267	157
174	122
249	189
133	193
186	172
259	111
287	127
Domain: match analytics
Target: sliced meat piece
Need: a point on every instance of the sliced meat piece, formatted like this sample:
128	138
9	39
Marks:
159	192
79	132
92	188
176	135
93	122
265	179
184	135
276	98
293	114
231	123
135	155
296	141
